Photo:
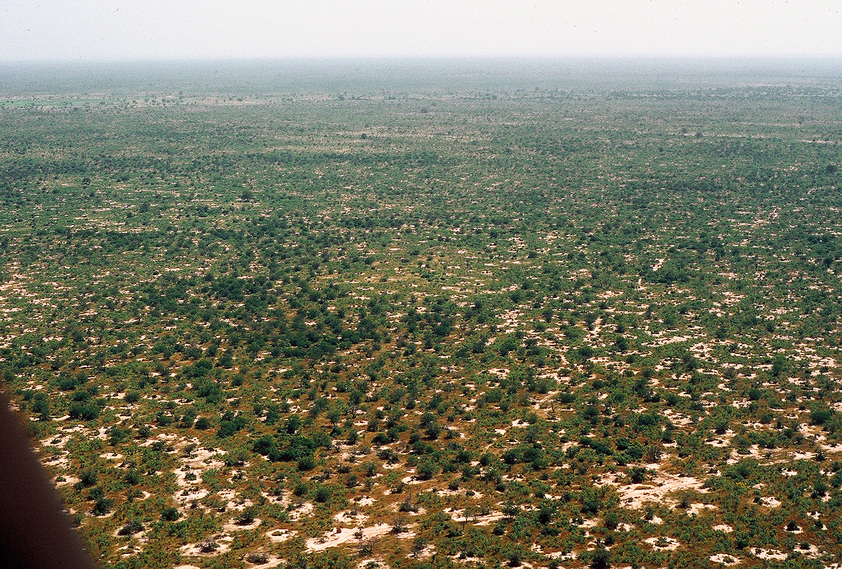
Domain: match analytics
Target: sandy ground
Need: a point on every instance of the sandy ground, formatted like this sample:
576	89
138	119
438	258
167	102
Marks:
697	508
271	561
278	535
345	535
189	473
770	502
296	508
477	520
663	543
370	563
350	517
724	559
656	490
222	544
234	526
768	554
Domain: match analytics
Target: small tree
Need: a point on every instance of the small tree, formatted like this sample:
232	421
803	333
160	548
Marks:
600	559
170	514
427	469
418	545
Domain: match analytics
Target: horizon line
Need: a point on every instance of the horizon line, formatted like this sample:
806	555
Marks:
433	57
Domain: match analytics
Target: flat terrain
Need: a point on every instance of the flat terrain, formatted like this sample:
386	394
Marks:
535	315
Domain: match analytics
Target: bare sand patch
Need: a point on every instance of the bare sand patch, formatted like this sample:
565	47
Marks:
678	419
164	437
189	474
462	492
372	564
697	508
298	510
724	559
802	456
67	481
810	551
189	497
478	519
774	554
234	526
411	479
413	510
721	441
364	501
278	535
234	503
341	536
350	517
139	535
211	546
262	560
770	502
636	495
663	543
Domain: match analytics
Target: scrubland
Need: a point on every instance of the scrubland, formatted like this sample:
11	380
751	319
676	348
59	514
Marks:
563	321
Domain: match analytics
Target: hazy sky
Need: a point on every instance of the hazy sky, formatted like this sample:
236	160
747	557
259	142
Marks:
156	29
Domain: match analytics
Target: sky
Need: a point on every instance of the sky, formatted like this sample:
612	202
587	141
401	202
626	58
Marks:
109	30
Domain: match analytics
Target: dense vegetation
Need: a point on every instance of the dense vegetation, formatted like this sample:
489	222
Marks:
554	320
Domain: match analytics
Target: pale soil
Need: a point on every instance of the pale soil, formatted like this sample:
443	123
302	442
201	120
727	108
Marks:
768	553
350	517
411	479
196	464
419	510
724	559
698	508
234	526
187	498
300	510
68	481
341	536
448	492
140	536
812	552
669	544
232	502
278	535
428	551
770	502
366	563
477	520
656	490
271	561
223	543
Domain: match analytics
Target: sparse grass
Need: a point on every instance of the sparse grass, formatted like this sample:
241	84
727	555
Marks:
509	325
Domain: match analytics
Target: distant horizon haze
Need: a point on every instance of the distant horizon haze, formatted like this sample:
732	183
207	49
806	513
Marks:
268	76
155	30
